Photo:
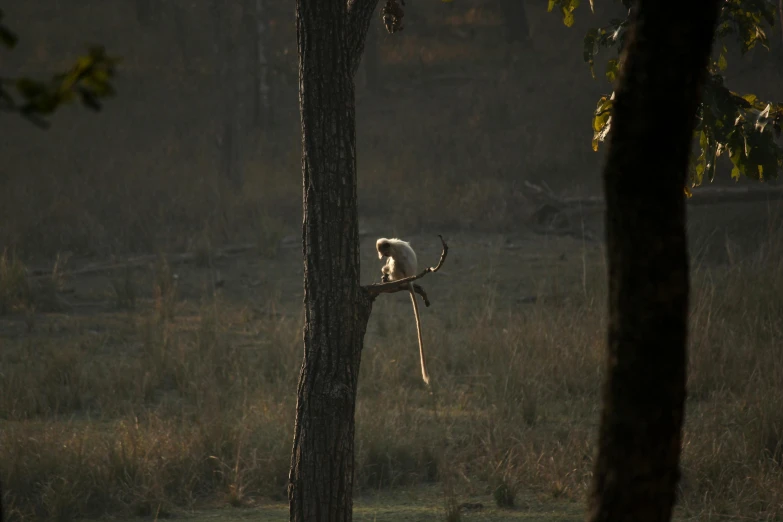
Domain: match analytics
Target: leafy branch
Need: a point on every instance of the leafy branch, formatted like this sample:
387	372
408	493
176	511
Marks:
89	81
740	126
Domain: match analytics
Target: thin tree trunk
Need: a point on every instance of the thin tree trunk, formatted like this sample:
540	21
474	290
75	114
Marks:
780	20
144	12
225	60
261	106
637	468
330	38
515	16
179	16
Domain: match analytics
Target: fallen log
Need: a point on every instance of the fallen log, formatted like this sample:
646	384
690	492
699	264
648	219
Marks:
141	261
701	196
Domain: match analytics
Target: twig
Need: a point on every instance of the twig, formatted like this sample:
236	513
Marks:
402	284
419	290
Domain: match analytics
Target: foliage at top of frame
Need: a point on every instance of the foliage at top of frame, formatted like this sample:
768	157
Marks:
89	80
743	127
392	14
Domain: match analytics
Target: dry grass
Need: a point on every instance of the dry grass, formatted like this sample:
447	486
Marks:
170	394
178	403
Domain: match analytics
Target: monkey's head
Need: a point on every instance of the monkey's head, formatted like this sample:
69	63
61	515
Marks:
383	247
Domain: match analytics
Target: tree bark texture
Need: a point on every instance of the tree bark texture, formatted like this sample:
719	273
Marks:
637	467
330	37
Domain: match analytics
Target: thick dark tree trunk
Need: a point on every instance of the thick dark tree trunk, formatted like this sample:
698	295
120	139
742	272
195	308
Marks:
330	37
637	469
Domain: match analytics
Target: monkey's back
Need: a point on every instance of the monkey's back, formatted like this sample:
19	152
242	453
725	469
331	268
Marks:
403	262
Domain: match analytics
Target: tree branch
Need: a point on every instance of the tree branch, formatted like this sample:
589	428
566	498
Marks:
399	285
419	290
359	16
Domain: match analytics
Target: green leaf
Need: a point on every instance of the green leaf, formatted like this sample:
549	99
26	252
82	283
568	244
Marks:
30	88
612	70
8	38
602	121
89	99
727	122
568	17
763	118
589	48
567	7
722	63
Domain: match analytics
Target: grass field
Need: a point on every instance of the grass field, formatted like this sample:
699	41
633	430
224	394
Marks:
168	387
418	504
163	385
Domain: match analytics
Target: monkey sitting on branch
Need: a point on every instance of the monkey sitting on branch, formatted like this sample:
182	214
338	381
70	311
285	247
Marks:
399	272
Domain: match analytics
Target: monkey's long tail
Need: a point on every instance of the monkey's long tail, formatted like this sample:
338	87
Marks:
424	374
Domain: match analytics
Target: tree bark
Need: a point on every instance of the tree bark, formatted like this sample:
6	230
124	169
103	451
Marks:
330	38
637	468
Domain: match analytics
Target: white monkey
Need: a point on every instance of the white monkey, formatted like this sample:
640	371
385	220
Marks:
401	263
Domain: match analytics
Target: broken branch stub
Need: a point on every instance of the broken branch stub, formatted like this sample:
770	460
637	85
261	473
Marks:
392	14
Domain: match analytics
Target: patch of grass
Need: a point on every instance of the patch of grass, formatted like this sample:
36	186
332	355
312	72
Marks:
15	293
452	511
504	495
165	289
130	414
124	289
19	292
270	233
203	250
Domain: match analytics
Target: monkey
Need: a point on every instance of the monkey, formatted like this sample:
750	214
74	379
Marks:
401	263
